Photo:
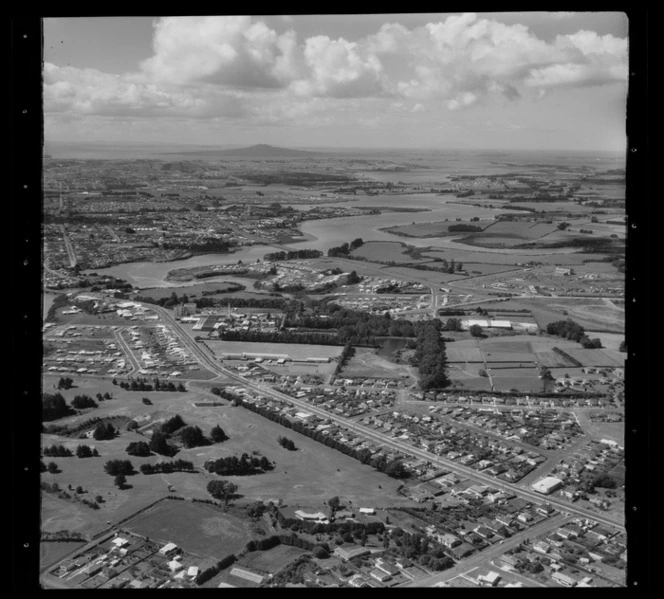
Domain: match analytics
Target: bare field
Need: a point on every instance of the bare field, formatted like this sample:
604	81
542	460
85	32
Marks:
294	350
367	363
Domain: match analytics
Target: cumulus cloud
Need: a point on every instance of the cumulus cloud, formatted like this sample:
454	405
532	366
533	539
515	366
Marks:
236	66
89	91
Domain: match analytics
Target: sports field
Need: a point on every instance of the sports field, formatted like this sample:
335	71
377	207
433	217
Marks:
197	528
271	561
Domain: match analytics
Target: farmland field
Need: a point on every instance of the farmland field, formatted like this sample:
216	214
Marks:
595	357
197	528
466	350
435	229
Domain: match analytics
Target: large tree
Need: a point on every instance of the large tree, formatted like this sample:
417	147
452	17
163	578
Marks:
222	489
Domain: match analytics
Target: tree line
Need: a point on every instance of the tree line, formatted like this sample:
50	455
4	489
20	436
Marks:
393	468
242	466
345	249
430	356
167	467
574	332
140	384
292	255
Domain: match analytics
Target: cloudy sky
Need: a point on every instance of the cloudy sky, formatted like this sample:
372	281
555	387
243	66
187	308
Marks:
532	80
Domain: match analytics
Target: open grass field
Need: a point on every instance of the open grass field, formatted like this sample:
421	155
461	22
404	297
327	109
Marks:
271	561
307	477
198	528
595	357
367	363
467	376
52	552
294	350
551	359
466	350
592	314
435	229
516	378
385	251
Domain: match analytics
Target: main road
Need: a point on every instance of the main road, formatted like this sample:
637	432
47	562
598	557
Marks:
376	436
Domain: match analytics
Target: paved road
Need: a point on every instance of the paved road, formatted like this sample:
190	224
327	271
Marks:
70	248
494	551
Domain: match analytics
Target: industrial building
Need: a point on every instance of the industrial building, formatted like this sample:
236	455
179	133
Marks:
547	485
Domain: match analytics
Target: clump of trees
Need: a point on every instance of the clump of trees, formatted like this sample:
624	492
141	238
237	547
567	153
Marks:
574	332
222	489
65	382
218	435
85	451
476	330
159	444
192	436
81	402
104	431
292	255
234	466
345	249
167	467
286	443
139	449
115	467
54	406
57	451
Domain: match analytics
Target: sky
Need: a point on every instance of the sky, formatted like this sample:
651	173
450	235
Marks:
514	81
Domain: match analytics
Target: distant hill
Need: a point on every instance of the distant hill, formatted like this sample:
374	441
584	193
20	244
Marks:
260	151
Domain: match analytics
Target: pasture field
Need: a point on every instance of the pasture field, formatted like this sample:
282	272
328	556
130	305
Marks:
467	376
272	560
198	528
385	251
294	350
596	357
463	351
435	229
551	359
52	552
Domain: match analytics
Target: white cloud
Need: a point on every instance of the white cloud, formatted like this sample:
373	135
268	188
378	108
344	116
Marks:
240	67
